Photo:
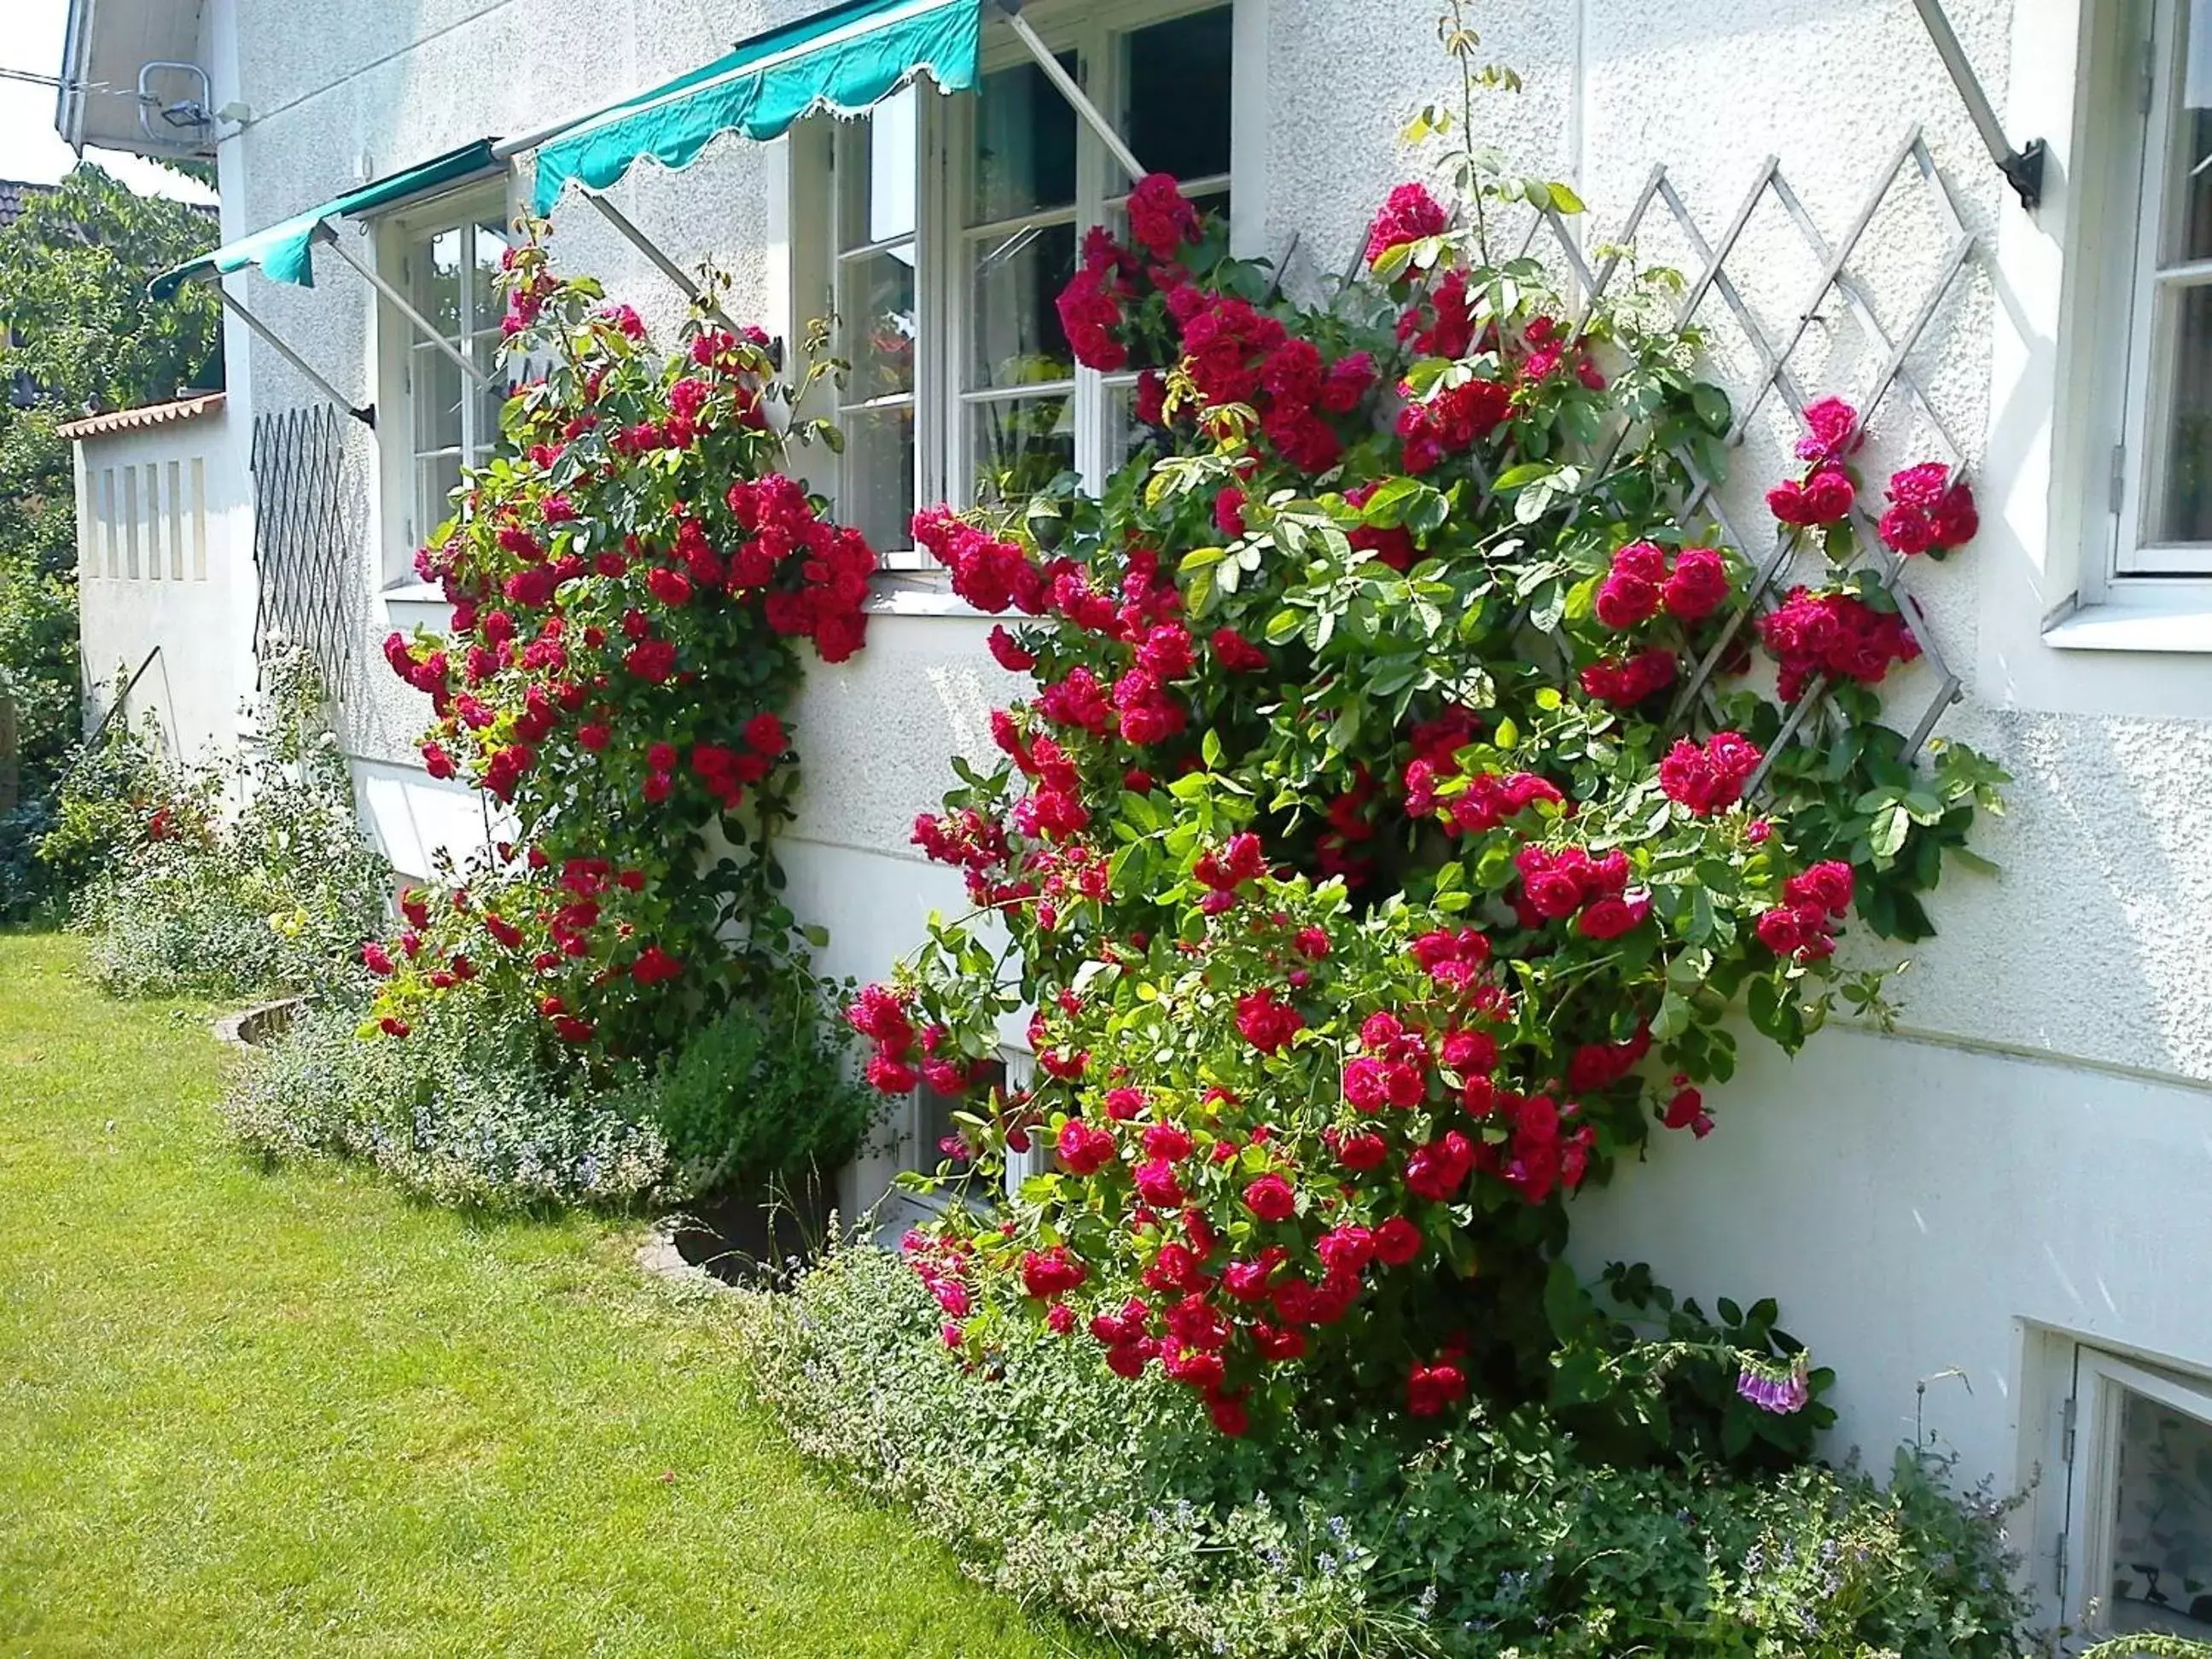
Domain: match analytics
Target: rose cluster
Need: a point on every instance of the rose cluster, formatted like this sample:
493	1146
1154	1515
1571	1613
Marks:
1835	634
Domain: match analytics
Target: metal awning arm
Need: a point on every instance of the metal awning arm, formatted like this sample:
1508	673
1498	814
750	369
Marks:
2022	169
365	414
1057	73
422	325
667	267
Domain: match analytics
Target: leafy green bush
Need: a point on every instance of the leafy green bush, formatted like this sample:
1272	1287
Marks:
466	1116
223	890
1116	1502
759	1094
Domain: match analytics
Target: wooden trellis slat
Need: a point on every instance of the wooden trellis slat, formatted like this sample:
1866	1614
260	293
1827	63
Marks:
1909	166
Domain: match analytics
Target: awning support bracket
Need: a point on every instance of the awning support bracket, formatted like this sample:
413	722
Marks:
667	267
422	325
1057	73
365	414
2022	169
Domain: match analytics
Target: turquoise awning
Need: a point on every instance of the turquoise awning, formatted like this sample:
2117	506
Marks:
844	60
283	251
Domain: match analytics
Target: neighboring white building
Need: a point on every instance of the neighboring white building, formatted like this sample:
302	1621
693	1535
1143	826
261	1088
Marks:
165	587
2006	1208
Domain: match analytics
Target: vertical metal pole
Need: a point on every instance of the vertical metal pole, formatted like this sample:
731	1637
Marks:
1061	78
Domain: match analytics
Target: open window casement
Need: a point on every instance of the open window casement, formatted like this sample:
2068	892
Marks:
2136	1554
443	261
940	231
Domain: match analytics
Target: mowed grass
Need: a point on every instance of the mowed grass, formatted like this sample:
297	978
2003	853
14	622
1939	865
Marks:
292	1413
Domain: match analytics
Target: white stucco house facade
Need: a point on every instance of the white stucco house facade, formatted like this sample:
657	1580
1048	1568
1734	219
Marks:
1995	1222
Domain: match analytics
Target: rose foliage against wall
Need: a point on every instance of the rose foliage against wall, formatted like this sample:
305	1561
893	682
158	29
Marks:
1374	882
632	579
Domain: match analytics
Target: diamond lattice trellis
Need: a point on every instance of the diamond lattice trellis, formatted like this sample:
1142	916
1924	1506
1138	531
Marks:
1659	202
302	553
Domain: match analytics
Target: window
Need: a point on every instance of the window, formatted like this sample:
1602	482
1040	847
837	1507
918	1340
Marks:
446	261
2163	470
956	223
929	1133
2136	1556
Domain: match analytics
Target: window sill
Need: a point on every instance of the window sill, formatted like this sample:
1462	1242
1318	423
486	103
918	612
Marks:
899	593
2172	622
415	593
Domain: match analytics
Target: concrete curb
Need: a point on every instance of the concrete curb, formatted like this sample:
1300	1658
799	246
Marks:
257	1027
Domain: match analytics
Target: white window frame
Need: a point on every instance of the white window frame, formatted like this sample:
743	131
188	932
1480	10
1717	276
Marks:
944	149
403	347
2091	1418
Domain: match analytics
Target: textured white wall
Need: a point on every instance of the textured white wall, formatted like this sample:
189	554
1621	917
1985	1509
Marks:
1914	1205
1917	1210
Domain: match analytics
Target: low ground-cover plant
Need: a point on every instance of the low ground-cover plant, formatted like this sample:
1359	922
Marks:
1374	869
466	1117
223	880
1496	1536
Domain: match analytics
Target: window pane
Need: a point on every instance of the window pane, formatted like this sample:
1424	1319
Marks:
878	499
1013	327
1175	115
1017	446
435	267
484	291
437	399
2162	1522
881	324
875	173
490	398
436	481
1024	155
2185	503
2189	209
937	1134
1125	434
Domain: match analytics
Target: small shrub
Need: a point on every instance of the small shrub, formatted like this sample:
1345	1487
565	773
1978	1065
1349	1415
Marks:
465	1116
57	837
200	887
1116	1502
762	1093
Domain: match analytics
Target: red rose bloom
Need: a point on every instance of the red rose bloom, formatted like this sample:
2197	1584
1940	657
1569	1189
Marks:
1397	1241
1270	1197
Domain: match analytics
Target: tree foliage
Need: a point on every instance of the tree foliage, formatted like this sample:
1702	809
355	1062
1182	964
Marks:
73	275
79	334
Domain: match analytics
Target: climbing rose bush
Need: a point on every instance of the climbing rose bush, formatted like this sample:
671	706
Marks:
1378	860
633	578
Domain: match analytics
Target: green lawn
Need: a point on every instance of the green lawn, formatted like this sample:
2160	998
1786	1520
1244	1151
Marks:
295	1415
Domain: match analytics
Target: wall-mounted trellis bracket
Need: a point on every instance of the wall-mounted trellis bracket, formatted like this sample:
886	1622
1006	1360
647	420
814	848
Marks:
2022	167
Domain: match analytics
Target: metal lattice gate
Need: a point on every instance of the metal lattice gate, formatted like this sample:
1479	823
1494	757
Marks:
1659	206
307	579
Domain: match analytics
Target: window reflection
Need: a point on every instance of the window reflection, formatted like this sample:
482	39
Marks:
1017	446
1025	150
1014	330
